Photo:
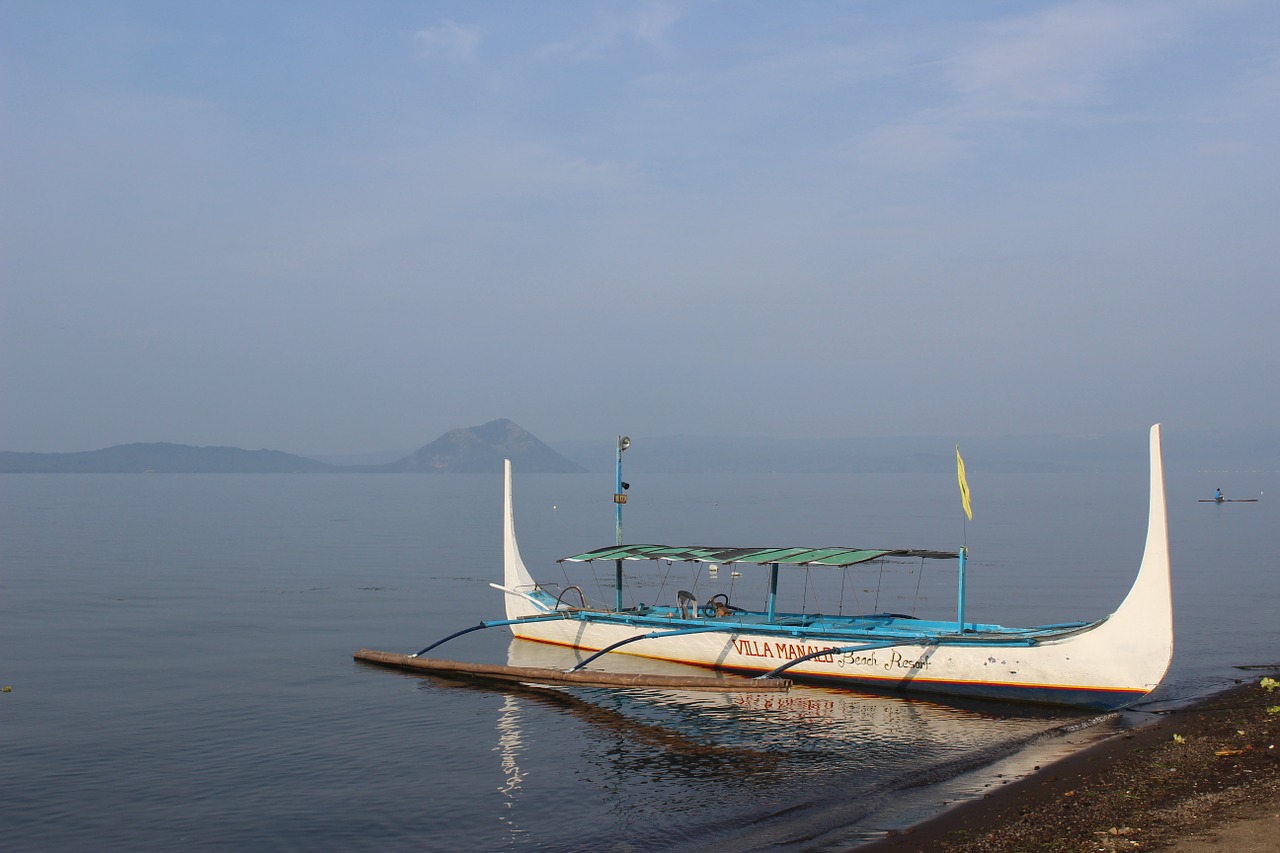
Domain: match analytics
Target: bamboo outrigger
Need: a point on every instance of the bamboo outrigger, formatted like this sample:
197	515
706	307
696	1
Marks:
582	678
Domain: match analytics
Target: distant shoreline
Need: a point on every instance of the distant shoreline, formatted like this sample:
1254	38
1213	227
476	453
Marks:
1233	461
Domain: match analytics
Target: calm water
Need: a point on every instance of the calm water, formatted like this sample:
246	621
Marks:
179	649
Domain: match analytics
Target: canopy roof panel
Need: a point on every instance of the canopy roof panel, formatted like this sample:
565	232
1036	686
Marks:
838	557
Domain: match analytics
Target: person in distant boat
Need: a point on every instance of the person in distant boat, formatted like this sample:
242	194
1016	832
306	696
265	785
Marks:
1217	496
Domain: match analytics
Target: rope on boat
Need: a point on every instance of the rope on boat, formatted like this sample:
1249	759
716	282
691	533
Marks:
919	578
569	584
666	576
595	576
879	585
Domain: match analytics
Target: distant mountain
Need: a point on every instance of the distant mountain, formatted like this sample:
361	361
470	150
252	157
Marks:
161	458
471	450
480	450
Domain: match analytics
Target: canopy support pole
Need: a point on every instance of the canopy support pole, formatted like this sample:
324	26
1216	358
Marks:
773	591
960	596
617	586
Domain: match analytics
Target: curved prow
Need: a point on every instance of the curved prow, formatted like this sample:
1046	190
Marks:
514	575
1144	620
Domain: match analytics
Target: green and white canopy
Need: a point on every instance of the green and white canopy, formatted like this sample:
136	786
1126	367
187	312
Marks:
838	557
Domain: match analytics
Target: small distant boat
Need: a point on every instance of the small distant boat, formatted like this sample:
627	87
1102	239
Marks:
1228	500
1103	664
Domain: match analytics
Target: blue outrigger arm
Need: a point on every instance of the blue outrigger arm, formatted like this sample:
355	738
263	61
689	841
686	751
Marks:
861	647
653	635
498	623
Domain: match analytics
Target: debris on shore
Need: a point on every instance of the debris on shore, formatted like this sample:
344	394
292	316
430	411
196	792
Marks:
1196	768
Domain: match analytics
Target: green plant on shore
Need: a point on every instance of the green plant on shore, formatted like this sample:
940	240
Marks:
1269	684
1274	709
1179	739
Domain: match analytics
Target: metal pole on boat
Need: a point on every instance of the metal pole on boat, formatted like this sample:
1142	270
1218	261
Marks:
619	498
964	552
773	591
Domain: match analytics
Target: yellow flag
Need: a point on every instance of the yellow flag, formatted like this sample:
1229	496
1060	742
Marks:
964	485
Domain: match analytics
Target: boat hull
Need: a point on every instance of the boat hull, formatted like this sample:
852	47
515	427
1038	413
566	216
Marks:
1044	674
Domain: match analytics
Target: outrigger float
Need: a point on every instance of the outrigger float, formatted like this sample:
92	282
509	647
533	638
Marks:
1105	664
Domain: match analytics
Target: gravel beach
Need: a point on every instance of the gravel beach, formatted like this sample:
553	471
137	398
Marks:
1205	777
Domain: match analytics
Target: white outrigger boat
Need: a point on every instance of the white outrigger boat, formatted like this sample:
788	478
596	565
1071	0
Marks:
1105	664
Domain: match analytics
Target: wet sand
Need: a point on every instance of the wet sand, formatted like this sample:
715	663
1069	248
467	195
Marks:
1205	777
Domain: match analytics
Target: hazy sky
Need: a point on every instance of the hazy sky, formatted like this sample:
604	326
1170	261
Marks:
332	227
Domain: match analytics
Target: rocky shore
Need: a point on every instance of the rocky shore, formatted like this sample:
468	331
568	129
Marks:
1202	777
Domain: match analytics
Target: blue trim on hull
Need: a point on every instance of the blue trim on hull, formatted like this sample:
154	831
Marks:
841	630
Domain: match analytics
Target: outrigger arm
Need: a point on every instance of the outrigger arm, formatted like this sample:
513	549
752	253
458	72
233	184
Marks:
653	635
862	647
497	623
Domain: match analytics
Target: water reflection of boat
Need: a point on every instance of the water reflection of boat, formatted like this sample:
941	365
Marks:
817	757
883	716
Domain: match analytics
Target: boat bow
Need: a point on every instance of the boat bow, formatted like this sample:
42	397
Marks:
516	577
1142	626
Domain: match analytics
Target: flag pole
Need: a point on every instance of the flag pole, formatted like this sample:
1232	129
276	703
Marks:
964	549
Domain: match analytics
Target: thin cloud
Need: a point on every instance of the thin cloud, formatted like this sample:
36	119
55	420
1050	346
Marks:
648	23
448	40
1062	56
1058	63
920	145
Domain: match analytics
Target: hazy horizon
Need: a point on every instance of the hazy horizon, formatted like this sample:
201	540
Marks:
1254	442
333	228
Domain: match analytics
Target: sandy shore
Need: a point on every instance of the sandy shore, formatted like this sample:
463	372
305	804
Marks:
1201	778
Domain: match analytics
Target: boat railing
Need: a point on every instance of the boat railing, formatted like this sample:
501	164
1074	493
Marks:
582	598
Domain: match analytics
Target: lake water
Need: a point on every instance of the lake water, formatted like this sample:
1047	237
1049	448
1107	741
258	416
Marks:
179	651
